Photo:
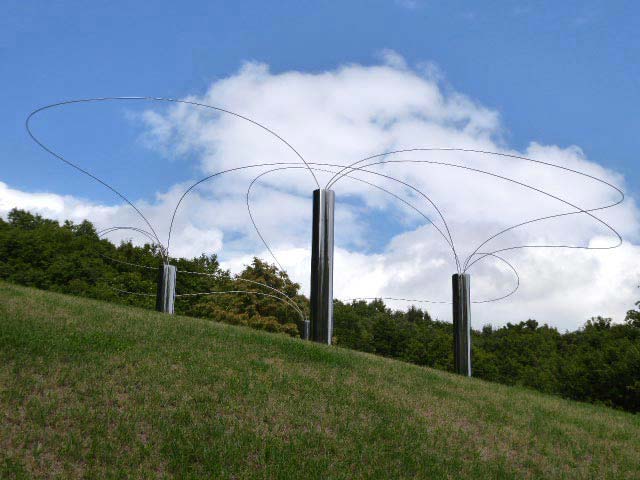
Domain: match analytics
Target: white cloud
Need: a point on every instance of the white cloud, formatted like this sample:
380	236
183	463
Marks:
383	247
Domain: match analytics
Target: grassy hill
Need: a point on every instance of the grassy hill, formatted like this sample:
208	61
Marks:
94	390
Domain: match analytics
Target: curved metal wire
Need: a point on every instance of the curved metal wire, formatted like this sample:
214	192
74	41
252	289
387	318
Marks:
105	231
148	235
335	178
513	269
579	209
127	263
109	230
352	178
154	99
80	169
414	300
394	195
446	225
209	177
469	150
240	291
270	164
264	242
288	300
131	293
345	171
496	299
240	279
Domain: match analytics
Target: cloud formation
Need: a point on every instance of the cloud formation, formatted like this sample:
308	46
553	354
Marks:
384	248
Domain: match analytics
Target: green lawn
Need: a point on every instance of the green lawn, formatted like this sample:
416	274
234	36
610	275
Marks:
94	390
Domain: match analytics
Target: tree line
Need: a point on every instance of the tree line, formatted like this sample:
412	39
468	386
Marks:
598	363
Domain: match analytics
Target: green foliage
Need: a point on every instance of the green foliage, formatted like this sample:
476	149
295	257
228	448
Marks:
599	363
72	259
633	317
603	364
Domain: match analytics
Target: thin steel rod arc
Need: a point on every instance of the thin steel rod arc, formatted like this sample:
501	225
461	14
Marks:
108	230
484	152
284	300
618	190
450	241
289	299
357	179
515	273
132	293
534	220
579	210
336	177
262	294
345	300
128	263
253	220
446	302
185	102
209	177
82	170
292	302
148	235
421	193
156	99
508	249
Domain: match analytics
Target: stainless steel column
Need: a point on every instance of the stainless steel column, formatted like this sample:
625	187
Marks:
322	267
306	329
166	293
462	323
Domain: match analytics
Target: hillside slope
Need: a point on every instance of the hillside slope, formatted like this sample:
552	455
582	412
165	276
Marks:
94	390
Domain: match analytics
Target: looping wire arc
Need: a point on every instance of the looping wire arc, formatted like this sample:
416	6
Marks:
248	292
143	232
579	210
154	99
286	297
350	171
448	240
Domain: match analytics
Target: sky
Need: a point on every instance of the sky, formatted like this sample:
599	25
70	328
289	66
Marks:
557	82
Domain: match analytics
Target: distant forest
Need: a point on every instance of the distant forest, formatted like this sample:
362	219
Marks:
599	363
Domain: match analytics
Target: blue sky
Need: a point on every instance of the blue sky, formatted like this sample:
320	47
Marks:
558	72
539	77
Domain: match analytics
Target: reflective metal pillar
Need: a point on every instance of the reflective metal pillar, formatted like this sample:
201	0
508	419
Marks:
462	323
306	329
322	266
166	294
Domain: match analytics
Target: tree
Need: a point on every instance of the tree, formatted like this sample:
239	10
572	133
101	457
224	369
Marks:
598	363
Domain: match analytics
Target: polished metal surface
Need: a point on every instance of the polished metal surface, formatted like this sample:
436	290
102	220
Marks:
306	329
166	295
320	327
322	266
461	283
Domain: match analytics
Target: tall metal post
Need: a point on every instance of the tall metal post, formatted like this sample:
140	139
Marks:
322	266
166	294
462	323
306	332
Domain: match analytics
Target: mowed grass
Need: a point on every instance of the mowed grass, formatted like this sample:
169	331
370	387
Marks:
94	390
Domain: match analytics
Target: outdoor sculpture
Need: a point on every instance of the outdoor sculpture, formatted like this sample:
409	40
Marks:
320	325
